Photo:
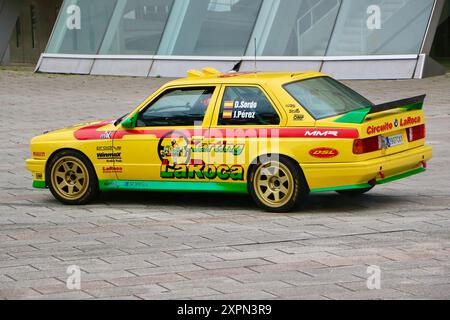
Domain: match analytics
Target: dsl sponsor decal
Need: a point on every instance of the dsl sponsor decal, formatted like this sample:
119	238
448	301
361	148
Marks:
324	153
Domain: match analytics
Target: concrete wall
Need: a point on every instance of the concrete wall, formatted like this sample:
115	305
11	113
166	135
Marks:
28	47
9	11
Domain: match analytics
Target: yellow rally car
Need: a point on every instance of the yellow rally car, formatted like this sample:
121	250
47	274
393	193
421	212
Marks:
277	136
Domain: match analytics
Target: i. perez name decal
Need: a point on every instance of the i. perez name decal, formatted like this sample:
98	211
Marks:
390	125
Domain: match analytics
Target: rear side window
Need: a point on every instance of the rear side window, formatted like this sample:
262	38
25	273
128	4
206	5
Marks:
325	97
247	106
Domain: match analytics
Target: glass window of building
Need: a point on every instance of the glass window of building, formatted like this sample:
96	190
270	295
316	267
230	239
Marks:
136	27
380	27
81	26
210	27
294	27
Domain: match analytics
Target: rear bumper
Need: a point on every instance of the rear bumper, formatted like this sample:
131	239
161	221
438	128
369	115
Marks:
343	176
37	168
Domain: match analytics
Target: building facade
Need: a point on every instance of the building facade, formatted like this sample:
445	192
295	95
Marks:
349	39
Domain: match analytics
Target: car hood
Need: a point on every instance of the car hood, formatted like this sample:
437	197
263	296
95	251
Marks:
83	131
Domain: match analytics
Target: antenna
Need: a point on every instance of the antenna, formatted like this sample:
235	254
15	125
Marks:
255	56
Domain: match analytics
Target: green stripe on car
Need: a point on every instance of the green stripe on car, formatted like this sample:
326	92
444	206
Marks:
38	184
186	186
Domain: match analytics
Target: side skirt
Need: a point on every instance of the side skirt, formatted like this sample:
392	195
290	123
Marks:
179	186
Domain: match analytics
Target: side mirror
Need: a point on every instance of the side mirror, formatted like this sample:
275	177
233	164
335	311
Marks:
128	123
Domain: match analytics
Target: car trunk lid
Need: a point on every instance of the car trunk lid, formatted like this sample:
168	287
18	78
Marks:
394	126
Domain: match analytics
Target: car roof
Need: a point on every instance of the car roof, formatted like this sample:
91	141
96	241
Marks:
212	76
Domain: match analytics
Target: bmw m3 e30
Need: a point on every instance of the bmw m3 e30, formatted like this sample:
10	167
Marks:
275	136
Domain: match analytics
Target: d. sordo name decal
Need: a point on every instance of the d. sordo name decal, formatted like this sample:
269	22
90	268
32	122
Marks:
245	105
201	171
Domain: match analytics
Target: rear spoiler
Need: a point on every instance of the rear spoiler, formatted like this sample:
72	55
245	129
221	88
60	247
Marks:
358	116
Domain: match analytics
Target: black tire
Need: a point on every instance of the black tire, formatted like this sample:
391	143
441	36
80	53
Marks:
292	198
83	191
354	192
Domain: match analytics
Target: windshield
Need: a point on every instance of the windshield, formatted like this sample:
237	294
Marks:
325	97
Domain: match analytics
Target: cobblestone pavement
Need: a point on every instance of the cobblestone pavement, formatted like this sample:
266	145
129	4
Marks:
162	246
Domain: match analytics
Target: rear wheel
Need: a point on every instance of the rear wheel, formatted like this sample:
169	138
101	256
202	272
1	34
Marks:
277	185
71	178
354	192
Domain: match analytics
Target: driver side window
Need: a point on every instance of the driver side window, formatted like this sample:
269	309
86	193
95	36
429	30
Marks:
177	107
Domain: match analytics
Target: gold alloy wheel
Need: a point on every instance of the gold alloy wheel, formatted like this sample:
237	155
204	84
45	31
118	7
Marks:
273	184
70	178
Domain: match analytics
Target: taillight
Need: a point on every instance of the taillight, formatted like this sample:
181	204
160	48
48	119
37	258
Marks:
361	146
416	133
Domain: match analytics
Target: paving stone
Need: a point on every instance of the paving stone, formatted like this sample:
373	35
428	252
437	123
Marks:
383	294
139	245
19	293
178	294
124	291
322	289
246	295
142	280
62	287
35	283
167	269
249	263
73	295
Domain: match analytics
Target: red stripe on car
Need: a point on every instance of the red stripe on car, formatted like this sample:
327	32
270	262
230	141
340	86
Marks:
92	133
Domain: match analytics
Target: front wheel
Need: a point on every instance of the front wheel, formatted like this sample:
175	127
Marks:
277	185
71	178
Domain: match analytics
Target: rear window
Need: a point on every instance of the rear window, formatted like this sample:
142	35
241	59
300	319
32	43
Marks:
325	97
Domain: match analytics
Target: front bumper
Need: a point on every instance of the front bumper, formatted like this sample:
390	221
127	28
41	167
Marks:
343	176
37	168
